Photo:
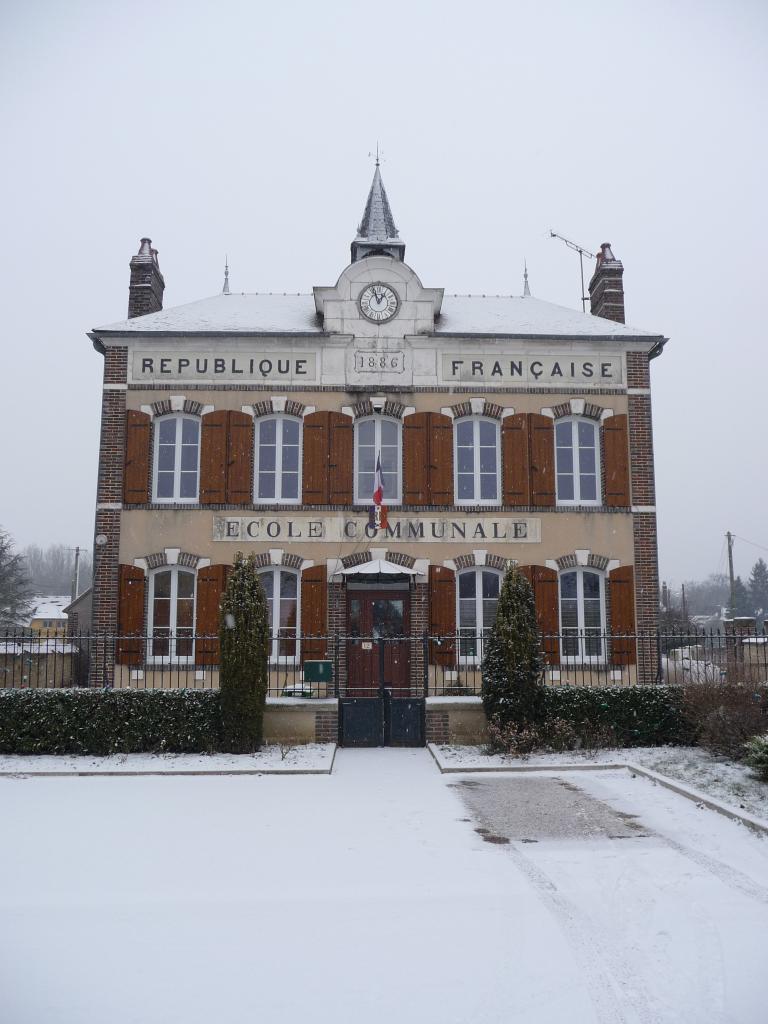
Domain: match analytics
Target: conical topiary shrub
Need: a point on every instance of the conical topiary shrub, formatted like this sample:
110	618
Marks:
244	669
513	664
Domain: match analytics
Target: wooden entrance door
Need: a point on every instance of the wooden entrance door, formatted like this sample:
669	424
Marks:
378	648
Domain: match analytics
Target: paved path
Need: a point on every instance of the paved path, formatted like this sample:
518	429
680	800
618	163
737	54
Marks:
385	892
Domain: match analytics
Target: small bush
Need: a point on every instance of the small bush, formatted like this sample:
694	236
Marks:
626	716
756	755
109	721
723	716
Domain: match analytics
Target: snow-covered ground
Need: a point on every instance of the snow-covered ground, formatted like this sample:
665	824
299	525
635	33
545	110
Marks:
311	757
384	891
727	781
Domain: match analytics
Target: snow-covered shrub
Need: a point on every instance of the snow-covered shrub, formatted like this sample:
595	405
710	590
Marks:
628	716
513	664
244	670
756	755
109	721
723	716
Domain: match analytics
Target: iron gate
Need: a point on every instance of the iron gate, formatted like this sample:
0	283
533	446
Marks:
379	708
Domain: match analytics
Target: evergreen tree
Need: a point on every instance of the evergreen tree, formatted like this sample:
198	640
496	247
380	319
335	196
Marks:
15	592
741	601
244	669
513	665
758	586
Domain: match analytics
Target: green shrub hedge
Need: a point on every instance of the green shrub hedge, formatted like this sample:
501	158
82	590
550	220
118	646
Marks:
109	721
640	716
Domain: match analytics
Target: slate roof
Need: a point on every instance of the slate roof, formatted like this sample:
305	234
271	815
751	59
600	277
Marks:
378	224
465	315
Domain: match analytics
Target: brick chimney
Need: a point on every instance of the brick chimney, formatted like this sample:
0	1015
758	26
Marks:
606	290
145	292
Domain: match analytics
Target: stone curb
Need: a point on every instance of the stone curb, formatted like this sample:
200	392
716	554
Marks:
755	824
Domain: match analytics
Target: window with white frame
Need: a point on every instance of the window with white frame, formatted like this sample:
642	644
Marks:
177	458
477	461
171	615
582	616
477	597
278	460
378	437
282	589
577	459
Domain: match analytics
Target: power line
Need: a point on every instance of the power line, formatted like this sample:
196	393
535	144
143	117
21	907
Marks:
760	547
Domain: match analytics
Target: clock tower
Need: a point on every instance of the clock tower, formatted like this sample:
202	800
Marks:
377	234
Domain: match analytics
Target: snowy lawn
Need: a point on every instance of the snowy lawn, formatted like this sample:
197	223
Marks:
384	891
727	781
309	758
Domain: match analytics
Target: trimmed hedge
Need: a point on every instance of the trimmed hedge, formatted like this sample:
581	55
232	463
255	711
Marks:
109	721
641	716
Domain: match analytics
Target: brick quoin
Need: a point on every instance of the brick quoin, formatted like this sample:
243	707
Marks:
437	726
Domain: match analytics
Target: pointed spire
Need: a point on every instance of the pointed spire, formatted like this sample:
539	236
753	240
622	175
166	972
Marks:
526	288
225	289
377	234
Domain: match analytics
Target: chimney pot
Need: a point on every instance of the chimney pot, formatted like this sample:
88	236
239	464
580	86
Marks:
146	287
606	289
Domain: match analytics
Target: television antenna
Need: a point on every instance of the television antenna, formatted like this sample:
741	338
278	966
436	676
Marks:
582	253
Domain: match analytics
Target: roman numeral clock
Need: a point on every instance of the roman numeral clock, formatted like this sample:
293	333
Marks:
378	302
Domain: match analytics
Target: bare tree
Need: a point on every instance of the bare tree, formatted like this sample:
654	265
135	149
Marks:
51	569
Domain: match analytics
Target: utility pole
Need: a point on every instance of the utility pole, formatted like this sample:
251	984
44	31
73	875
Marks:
685	605
729	537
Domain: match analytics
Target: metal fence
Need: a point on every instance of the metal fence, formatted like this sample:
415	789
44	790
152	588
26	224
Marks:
449	665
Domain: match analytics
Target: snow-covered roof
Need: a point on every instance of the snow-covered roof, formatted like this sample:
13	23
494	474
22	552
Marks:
277	313
50	607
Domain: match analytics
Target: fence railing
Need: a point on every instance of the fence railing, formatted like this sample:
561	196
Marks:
427	664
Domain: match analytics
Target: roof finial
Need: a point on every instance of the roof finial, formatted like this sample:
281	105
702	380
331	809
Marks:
377	152
225	289
526	289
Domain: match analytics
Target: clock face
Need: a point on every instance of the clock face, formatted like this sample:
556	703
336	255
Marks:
378	302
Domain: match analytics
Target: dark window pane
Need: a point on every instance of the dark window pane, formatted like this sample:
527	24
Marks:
565	488
464	433
487	460
586	434
167	431
588	488
488	487
563	434
266	582
365	432
490	584
565	460
188	484
291	485
190	430
568	584
466	487
288	584
467	584
266	485
267	432
291	432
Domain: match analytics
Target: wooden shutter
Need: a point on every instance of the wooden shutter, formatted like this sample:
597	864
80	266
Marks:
210	586
213	458
130	615
616	461
315	459
621	582
542	445
136	478
546	596
240	459
314	613
416	462
340	458
442	615
516	460
440	435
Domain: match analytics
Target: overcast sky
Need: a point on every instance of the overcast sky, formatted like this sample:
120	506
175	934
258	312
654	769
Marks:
245	127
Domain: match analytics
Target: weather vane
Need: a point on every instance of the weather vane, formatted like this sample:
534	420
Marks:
379	156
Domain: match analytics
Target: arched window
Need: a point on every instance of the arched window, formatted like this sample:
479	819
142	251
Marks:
477	461
477	598
582	615
278	460
177	458
171	615
577	450
282	589
378	437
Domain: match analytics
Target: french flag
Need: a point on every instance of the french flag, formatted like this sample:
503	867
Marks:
378	485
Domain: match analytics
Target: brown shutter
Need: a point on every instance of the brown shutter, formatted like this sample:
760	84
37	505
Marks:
315	459
130	615
546	596
240	459
213	458
416	472
542	440
621	582
340	459
616	461
440	433
136	479
209	588
442	615
516	460
314	613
